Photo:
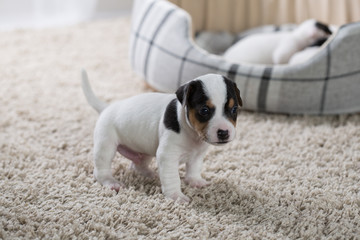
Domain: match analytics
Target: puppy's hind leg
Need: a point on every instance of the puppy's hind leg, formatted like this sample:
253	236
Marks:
104	152
140	161
143	167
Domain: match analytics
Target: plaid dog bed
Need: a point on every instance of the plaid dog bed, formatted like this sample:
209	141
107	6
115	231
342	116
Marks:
163	52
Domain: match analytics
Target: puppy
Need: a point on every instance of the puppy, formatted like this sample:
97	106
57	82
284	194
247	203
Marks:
176	128
277	47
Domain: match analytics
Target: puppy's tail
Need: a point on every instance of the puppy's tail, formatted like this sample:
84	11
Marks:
96	103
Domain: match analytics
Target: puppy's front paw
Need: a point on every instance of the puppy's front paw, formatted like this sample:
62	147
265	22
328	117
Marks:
197	182
178	197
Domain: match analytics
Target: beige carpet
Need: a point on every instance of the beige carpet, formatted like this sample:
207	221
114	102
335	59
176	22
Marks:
282	178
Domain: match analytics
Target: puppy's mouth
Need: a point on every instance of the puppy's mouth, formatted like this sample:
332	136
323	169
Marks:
219	143
216	143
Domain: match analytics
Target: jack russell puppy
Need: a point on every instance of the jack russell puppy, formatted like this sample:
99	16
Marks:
176	128
277	47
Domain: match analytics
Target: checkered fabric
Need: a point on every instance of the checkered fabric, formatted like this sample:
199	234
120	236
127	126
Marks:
163	52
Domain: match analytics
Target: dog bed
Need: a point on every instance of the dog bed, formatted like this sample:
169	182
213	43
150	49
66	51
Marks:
162	50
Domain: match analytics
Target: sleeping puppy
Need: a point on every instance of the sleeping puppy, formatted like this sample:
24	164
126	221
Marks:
277	47
176	128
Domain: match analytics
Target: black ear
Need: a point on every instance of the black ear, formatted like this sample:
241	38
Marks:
181	93
237	92
323	27
186	91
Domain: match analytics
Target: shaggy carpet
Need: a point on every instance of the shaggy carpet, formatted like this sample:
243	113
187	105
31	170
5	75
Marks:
284	177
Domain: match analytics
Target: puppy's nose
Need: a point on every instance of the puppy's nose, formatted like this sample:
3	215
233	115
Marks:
223	134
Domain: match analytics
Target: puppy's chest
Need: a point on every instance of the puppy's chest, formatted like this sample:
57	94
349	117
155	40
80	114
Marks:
192	152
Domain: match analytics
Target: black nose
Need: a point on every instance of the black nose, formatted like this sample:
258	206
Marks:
223	134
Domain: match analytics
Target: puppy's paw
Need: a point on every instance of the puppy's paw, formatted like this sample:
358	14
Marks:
113	184
110	182
196	182
105	178
178	197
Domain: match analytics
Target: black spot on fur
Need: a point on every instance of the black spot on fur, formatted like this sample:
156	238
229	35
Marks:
319	42
323	27
197	99
170	118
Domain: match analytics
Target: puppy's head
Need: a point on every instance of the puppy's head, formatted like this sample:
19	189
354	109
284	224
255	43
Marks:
211	103
314	30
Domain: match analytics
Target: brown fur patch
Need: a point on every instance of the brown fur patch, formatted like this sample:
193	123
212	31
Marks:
200	127
210	104
232	122
230	105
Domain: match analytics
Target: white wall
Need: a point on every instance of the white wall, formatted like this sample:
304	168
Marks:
47	13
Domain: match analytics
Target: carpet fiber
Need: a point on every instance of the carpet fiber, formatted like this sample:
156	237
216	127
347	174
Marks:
283	177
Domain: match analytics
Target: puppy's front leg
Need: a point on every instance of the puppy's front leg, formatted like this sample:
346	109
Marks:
168	158
193	172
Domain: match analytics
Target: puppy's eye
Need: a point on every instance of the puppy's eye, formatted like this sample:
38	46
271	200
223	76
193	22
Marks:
234	110
204	111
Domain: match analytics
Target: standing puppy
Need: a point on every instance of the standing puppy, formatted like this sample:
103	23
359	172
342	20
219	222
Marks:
176	128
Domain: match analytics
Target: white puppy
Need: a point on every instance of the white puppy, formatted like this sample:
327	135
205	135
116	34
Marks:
176	128
277	47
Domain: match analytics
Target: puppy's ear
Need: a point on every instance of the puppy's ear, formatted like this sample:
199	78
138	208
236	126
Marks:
185	91
181	93
325	28
237	92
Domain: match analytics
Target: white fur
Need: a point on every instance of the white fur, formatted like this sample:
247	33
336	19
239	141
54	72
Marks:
304	55
257	48
137	123
274	48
